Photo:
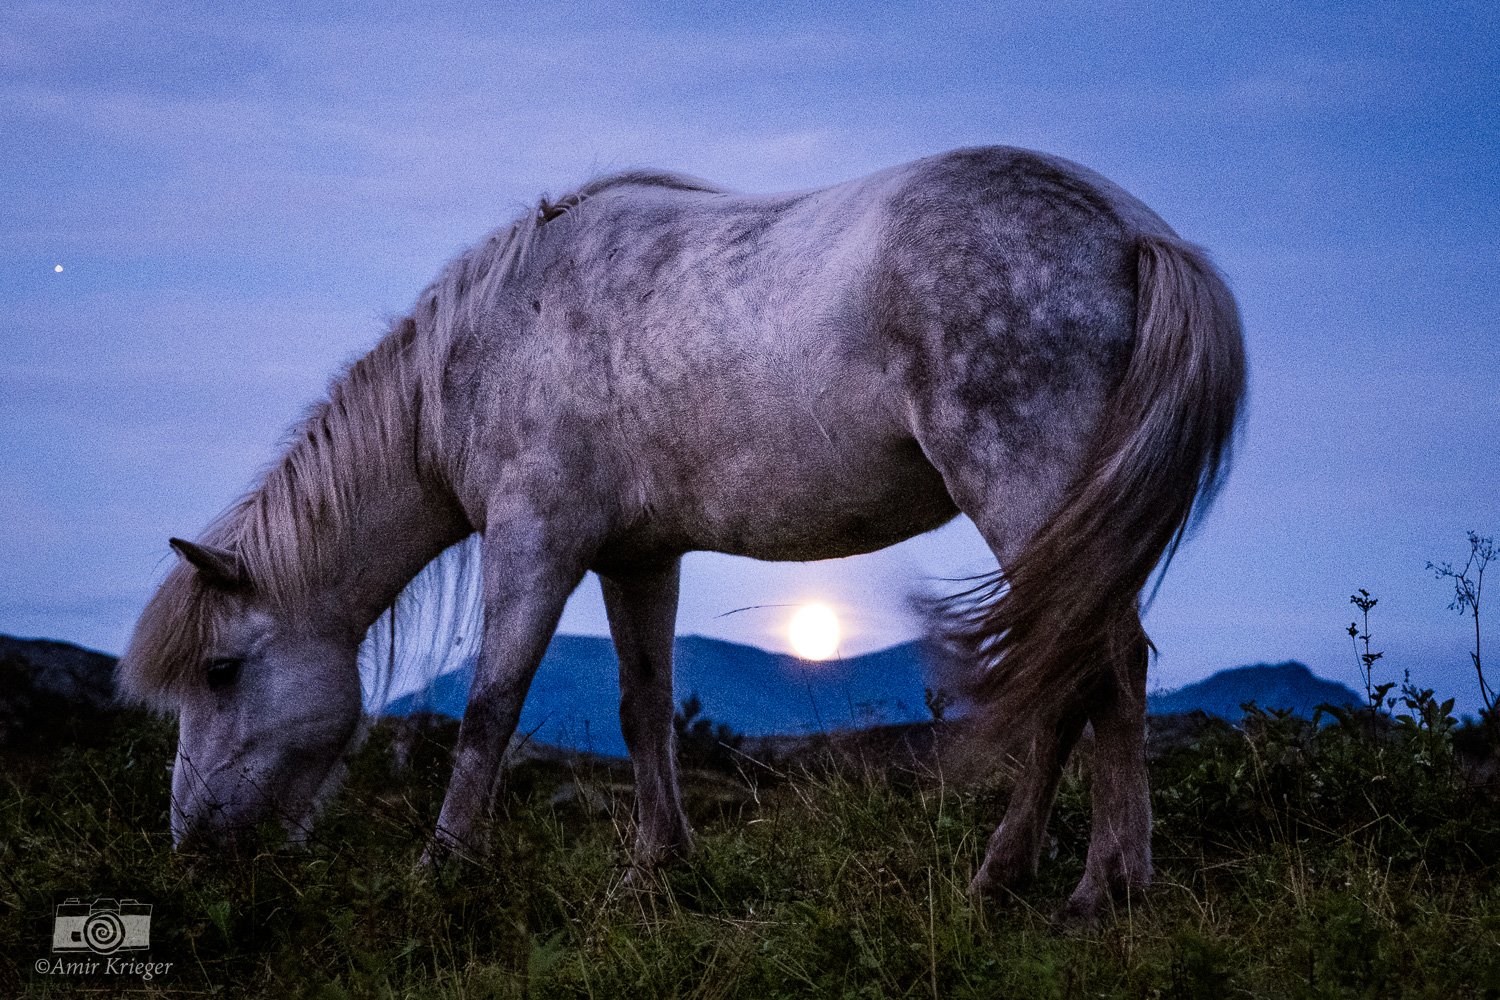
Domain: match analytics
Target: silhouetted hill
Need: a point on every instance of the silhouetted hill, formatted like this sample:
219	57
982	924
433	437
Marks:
1290	685
54	692
51	692
574	700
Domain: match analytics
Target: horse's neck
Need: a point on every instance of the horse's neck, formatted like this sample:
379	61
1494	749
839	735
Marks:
380	510
401	527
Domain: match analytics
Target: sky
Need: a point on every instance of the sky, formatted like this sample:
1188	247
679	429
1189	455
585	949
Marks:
240	198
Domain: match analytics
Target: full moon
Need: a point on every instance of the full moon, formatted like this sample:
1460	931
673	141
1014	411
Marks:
814	631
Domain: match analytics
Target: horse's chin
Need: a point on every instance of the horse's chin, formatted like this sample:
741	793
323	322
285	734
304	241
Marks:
249	834
298	822
244	827
299	829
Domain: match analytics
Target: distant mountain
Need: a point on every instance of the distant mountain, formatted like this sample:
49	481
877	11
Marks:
1287	685
574	701
575	698
51	691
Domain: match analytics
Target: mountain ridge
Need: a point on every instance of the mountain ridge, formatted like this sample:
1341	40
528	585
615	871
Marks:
1289	684
574	700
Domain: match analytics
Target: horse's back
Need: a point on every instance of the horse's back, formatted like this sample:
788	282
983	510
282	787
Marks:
754	374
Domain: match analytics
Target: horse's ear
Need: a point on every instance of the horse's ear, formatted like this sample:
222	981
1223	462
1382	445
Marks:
220	567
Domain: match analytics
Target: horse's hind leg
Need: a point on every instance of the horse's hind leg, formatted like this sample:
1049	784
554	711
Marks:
1010	495
1014	849
642	611
1119	859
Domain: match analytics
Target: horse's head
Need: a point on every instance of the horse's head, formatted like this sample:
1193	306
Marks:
267	698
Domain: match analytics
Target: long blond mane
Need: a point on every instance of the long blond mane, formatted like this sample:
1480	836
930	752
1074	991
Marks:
384	414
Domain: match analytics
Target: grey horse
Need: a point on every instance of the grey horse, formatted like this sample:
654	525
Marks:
652	365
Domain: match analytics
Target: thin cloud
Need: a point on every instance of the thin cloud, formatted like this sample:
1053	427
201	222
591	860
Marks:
241	199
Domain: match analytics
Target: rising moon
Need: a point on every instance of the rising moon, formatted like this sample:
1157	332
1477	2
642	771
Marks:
814	631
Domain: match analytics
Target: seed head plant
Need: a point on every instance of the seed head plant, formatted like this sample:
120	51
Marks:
1468	590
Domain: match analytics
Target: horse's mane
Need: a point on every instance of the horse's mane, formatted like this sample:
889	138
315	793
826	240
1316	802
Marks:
385	408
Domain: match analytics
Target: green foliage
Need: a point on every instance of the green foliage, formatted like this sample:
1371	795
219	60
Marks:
938	702
1401	796
1294	860
701	742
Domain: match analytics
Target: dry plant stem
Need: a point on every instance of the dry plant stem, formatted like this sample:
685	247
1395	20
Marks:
1468	591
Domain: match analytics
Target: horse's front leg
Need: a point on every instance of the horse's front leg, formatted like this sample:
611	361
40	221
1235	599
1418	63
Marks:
642	611
529	571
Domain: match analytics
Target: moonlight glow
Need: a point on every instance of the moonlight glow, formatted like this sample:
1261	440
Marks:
814	631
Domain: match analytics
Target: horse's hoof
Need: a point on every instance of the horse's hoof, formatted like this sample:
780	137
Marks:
641	877
999	882
992	894
1092	906
443	849
434	860
662	852
1080	914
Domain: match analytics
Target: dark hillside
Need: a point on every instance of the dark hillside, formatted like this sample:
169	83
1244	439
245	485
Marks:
574	700
53	694
1290	686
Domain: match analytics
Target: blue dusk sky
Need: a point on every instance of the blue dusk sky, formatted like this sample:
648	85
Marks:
239	197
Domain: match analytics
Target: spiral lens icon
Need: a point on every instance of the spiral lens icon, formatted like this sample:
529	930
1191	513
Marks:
104	932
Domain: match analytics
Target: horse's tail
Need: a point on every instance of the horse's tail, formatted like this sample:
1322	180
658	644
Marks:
1046	630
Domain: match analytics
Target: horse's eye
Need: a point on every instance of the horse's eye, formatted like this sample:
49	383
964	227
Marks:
222	672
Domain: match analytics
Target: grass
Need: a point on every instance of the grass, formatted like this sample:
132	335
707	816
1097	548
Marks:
1292	862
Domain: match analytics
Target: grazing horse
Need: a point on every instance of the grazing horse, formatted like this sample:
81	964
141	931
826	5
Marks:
652	365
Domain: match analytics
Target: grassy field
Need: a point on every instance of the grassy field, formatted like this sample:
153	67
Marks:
1351	861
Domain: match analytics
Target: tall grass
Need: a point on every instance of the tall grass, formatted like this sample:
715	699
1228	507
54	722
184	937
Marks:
1294	861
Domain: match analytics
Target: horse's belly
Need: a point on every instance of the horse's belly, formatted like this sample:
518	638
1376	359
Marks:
822	509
